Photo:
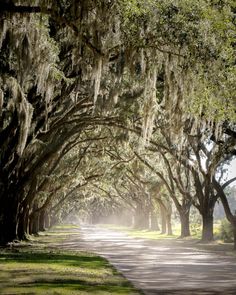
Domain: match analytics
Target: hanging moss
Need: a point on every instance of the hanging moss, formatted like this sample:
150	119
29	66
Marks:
24	112
150	105
97	77
3	30
1	100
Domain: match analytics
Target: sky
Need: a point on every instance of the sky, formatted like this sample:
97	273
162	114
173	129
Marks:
232	171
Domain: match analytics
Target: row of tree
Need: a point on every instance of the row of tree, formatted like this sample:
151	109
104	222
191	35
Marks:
148	183
96	95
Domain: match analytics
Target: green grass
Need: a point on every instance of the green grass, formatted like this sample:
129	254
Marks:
156	235
144	234
33	268
193	241
65	227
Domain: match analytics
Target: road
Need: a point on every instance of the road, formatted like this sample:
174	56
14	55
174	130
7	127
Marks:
163	266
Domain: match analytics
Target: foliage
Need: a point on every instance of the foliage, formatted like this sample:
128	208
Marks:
226	231
231	197
75	73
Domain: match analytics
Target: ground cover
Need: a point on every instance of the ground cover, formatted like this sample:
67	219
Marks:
166	266
42	266
194	241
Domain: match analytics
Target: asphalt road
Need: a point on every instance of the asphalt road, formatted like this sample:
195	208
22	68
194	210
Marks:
163	266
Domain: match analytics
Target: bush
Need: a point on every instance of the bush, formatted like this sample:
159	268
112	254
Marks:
226	231
196	229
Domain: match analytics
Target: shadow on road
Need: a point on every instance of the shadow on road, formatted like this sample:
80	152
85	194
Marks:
160	266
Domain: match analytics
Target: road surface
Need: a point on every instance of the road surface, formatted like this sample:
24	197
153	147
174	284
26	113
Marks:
163	266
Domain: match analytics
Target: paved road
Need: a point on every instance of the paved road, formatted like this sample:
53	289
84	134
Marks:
161	266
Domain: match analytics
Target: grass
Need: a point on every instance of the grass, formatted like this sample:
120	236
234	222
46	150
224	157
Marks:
65	227
194	240
144	234
156	235
36	268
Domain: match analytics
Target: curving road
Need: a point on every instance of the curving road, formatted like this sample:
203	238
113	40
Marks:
162	266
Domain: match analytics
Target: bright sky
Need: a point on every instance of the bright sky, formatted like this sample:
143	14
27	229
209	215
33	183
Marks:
232	171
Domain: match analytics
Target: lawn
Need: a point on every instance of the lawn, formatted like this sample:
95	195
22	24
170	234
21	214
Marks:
156	235
144	233
193	241
41	267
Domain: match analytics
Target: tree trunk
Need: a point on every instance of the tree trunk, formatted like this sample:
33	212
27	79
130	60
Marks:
154	221
185	226
23	224
42	220
163	220
229	215
24	216
47	220
145	217
169	225
95	218
234	229
8	228
34	223
8	219
141	218
54	220
207	226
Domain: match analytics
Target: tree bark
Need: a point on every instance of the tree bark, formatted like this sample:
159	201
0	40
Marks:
234	230
163	220
42	220
34	224
141	218
169	225
185	225
23	224
154	221
47	220
8	219
207	226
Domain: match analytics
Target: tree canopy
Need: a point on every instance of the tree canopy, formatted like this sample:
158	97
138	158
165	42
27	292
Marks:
88	89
